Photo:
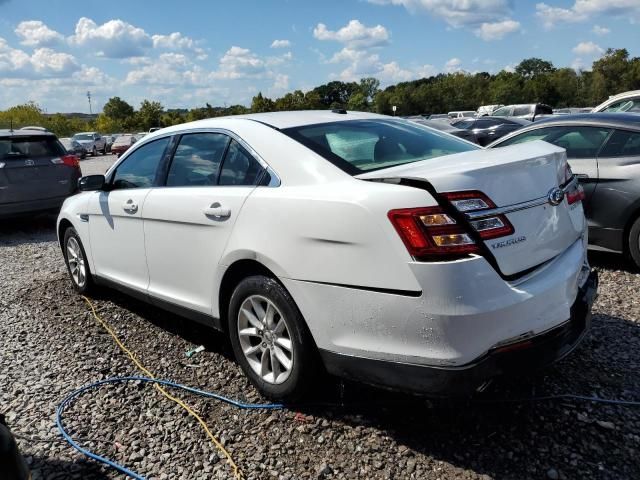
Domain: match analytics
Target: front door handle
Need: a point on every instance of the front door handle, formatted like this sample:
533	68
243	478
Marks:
130	206
217	210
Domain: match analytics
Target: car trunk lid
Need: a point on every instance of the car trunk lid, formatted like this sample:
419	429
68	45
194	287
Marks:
518	179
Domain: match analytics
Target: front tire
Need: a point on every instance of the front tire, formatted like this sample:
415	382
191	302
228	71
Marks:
634	242
76	261
94	152
270	339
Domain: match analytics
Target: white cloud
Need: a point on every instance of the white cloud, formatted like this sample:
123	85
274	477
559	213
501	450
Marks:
281	83
600	31
585	9
35	33
43	63
453	65
113	39
457	13
588	49
177	41
354	34
578	64
497	30
239	62
280	44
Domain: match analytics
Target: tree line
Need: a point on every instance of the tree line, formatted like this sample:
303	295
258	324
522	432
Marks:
533	80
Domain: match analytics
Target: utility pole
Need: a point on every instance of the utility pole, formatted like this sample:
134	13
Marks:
89	98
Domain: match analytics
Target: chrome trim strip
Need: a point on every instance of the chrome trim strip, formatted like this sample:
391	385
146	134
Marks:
536	202
479	214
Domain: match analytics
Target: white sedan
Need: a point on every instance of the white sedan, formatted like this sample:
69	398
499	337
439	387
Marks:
355	243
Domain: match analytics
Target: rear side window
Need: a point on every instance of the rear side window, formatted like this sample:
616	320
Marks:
197	159
358	146
239	167
622	144
30	147
502	112
139	169
579	142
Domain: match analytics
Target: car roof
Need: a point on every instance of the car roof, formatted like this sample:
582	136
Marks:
612	119
300	118
25	133
630	93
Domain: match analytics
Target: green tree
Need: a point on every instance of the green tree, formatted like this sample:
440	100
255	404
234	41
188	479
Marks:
530	67
150	114
261	104
118	110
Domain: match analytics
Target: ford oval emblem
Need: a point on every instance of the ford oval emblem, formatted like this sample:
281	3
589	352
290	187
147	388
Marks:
555	197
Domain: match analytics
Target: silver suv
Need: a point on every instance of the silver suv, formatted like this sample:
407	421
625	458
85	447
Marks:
92	142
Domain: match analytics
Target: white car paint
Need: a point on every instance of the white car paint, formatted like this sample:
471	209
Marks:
322	232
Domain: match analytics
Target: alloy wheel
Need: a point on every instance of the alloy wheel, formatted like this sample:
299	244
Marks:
265	339
76	262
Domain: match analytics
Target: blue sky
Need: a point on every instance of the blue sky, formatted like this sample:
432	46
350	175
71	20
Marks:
222	52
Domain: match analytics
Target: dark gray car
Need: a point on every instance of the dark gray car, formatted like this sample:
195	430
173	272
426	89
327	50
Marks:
604	152
36	172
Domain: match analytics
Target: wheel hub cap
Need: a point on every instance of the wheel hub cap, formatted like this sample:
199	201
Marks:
265	339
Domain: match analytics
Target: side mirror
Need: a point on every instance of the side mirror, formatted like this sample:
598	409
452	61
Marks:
91	183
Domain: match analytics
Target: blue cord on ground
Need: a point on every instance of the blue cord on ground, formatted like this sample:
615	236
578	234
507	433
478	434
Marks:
262	406
73	395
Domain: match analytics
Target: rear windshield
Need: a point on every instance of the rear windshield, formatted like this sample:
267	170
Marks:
30	147
358	146
124	140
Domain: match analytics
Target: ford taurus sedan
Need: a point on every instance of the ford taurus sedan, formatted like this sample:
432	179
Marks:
363	245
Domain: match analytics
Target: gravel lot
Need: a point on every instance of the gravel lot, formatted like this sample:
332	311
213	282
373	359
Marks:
51	346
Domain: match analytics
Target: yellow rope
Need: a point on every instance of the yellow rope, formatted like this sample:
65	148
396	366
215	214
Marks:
237	473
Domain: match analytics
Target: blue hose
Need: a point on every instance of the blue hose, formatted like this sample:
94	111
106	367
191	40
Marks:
261	406
73	395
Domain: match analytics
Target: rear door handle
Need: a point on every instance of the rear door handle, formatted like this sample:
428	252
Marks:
130	206
217	210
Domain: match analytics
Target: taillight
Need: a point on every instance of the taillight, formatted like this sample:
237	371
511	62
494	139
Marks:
431	232
474	201
575	195
68	160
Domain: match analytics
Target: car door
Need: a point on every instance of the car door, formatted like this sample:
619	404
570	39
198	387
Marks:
115	218
189	220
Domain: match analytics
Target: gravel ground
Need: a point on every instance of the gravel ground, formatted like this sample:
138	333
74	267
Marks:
51	346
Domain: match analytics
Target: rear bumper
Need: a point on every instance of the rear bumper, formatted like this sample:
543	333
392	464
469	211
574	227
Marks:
16	209
527	354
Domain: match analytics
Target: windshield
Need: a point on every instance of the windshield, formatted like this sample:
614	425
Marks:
123	140
358	146
83	136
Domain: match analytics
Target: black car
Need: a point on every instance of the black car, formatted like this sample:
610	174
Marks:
604	152
36	172
444	126
485	130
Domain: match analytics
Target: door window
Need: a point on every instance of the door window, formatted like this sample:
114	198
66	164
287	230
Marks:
139	169
622	144
197	160
502	112
579	142
520	111
629	105
239	167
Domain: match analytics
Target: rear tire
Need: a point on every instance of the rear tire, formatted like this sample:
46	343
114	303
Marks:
275	349
104	149
76	260
634	242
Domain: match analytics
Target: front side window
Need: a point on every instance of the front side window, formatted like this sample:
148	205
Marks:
139	169
622	144
239	167
502	112
197	159
521	111
629	105
358	146
579	142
